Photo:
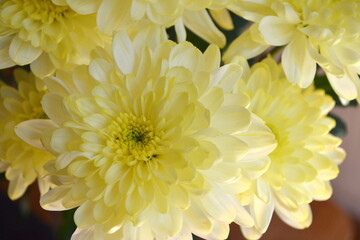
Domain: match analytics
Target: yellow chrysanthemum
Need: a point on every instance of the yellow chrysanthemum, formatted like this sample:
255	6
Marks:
150	143
23	163
114	15
45	35
306	156
325	32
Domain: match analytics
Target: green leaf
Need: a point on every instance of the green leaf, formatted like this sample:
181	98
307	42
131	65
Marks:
340	130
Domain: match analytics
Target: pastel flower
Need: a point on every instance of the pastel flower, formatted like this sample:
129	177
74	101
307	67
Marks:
150	143
313	32
197	16
307	155
21	162
45	35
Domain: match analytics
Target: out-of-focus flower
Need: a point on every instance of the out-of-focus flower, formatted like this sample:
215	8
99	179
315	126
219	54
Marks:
306	156
23	163
324	32
114	15
45	35
150	143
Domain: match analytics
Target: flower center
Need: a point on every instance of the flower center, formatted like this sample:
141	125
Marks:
45	11
134	138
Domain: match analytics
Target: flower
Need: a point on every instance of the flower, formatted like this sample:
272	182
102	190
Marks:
306	156
150	143
113	15
45	35
25	166
313	32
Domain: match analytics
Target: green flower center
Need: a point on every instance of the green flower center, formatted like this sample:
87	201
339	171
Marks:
134	138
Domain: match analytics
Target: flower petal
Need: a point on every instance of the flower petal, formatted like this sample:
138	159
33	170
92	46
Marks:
22	52
298	65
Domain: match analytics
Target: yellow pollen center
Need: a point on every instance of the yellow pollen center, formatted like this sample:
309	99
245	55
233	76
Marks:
34	12
134	138
45	11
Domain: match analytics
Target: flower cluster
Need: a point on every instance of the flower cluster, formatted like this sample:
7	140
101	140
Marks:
22	168
149	138
314	32
45	35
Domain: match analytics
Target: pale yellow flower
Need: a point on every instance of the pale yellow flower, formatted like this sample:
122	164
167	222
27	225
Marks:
45	35
150	143
324	32
306	156
23	163
194	15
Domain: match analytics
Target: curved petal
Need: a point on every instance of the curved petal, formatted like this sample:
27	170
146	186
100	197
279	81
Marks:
201	23
32	131
6	61
22	52
42	66
344	86
85	6
112	15
276	31
299	66
245	45
123	52
223	18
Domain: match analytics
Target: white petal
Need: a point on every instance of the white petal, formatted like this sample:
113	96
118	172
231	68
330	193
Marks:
201	23
84	6
53	107
123	52
245	45
180	30
226	76
231	119
42	66
276	31
83	234
53	200
262	213
33	131
112	15
299	66
223	18
23	52
6	61
344	86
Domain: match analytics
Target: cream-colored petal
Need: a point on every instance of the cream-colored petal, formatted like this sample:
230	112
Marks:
223	18
299	67
244	45
123	52
299	219
226	76
42	66
180	30
231	119
22	52
276	31
53	200
344	85
54	108
32	131
262	213
113	15
200	23
85	6
6	61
